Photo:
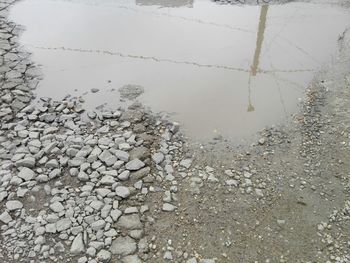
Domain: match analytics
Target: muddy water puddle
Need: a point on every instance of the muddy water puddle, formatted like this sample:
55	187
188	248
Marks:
218	69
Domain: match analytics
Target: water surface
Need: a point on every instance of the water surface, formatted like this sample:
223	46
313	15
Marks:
218	69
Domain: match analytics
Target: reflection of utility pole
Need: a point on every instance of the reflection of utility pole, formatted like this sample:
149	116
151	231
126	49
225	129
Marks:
260	38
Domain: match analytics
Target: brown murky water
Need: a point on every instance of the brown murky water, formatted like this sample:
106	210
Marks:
220	69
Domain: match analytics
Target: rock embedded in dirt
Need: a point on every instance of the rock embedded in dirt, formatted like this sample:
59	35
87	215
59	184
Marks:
123	246
130	222
168	207
186	163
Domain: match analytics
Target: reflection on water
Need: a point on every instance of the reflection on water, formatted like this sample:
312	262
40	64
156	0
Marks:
166	3
200	63
259	42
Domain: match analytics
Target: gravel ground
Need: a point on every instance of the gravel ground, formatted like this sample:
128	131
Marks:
125	186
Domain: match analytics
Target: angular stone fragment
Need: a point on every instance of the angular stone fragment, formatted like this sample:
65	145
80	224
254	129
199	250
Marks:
63	224
158	157
122	191
5	217
77	245
134	165
26	174
57	207
13	205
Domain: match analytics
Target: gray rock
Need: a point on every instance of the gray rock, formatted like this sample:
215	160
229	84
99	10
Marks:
111	233
212	179
122	191
186	163
108	158
21	192
107	180
3	195
5	217
141	153
140	174
76	161
42	178
82	176
168	207
122	155
168	255
77	245
96	205
104	256
91	251
50	228
98	225
82	260
123	246
13	205
103	192
55	173
52	164
106	210
158	157
26	174
63	224
115	214
130	222
57	207
134	165
232	182
124	175
192	260
131	259
28	162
